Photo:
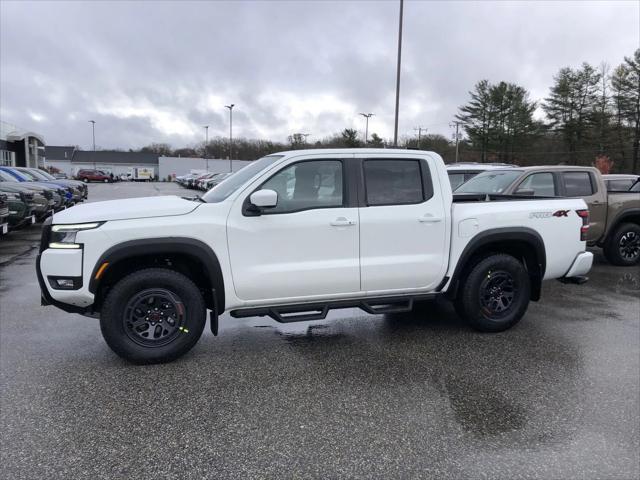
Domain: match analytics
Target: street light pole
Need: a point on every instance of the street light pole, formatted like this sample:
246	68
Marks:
395	130
93	132
419	129
457	125
366	128
230	107
206	145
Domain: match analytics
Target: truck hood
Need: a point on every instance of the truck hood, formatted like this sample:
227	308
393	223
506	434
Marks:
145	207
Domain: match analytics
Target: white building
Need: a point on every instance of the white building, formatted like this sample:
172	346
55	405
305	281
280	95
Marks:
20	147
176	166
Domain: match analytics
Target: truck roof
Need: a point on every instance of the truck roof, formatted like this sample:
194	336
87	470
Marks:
388	151
556	167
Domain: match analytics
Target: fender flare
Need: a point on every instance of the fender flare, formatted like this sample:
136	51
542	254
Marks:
620	218
502	235
191	247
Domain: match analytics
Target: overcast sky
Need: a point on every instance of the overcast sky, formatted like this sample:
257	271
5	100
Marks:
150	71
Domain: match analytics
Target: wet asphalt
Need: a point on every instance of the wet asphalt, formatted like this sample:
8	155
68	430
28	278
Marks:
415	395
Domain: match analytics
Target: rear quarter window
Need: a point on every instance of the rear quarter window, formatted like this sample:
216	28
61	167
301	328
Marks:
577	184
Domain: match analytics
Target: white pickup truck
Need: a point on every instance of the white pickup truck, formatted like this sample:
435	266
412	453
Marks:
295	234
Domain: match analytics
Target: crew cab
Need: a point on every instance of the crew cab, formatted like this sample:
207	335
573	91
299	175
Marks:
295	234
614	216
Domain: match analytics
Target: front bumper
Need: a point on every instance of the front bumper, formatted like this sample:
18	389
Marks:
68	263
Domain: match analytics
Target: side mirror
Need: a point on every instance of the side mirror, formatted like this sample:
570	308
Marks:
527	192
264	198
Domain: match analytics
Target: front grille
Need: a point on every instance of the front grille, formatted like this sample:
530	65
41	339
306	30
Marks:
48	194
27	197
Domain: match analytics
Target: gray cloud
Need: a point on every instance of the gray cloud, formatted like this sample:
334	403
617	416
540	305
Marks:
158	71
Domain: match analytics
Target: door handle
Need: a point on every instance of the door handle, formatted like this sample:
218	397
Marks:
342	222
429	219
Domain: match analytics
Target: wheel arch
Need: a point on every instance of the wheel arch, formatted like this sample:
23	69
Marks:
521	242
187	255
631	215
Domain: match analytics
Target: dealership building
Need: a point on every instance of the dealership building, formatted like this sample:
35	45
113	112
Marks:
20	147
69	160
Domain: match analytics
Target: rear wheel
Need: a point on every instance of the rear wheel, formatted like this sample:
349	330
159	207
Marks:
623	245
153	316
106	180
495	294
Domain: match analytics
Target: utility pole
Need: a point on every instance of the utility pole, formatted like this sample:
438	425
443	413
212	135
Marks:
366	128
456	123
395	130
93	131
419	130
206	145
230	107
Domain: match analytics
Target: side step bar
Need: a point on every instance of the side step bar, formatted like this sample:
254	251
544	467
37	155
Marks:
318	310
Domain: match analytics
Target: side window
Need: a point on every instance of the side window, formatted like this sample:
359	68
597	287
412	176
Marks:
540	183
456	179
393	182
307	185
619	185
577	184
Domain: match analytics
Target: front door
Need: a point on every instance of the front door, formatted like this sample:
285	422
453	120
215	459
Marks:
307	245
403	225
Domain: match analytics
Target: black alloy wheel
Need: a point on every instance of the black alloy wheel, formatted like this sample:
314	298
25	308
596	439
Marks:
154	317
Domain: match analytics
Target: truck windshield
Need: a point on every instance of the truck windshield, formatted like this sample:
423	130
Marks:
225	188
489	182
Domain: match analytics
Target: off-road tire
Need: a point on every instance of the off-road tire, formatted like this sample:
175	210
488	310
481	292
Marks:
476	293
126	343
613	248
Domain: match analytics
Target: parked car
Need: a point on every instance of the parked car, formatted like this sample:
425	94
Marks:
4	214
77	188
463	171
187	180
38	203
20	205
43	200
65	193
614	217
65	181
213	181
202	181
87	176
620	182
295	234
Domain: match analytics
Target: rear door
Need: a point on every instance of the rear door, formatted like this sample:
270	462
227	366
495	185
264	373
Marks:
583	184
403	240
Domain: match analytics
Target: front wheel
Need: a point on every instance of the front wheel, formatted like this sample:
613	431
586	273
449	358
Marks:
153	316
85	180
495	294
623	245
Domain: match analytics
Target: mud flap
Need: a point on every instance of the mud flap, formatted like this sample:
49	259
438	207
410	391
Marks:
213	316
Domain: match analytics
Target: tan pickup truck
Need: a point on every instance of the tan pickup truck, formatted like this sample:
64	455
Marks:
614	217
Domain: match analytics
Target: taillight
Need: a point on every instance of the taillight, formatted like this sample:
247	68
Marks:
584	215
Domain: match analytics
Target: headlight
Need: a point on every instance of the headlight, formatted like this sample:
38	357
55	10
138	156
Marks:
64	236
